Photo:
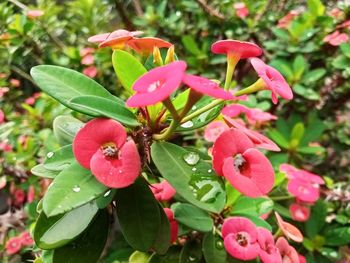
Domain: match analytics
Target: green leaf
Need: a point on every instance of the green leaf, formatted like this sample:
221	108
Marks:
299	66
97	106
282	210
53	232
345	49
277	137
191	45
138	215
88	247
213	248
191	252
316	7
127	68
172	256
257	221
317	219
338	236
41	171
311	150
314	75
73	187
64	84
6	129
298	132
139	257
65	127
197	183
252	206
341	62
193	217
283	67
59	159
105	199
162	242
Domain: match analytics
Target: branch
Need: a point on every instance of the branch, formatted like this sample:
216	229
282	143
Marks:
211	11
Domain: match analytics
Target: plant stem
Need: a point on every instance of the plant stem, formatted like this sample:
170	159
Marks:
169	105
168	132
256	86
202	110
232	61
280	198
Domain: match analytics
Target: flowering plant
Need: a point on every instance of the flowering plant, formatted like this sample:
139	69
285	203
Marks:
131	161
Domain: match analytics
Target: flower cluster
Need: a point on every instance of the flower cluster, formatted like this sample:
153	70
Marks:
15	244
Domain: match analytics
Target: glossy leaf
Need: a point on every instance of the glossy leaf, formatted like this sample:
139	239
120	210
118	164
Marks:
197	183
65	127
54	232
64	84
127	67
317	219
191	252
162	242
59	159
193	217
88	247
72	188
338	236
213	248
105	199
139	257
172	256
138	215
101	107
253	206
256	220
277	137
41	171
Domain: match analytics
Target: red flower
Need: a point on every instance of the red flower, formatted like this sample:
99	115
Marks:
13	245
91	71
269	252
163	191
336	38
240	238
86	51
101	145
241	10
288	253
88	60
287	19
258	139
6	147
213	130
30	194
299	212
15	83
116	39
32	14
272	80
289	230
206	87
3	91
246	168
157	84
2	116
18	197
174	227
146	45
239	49
26	239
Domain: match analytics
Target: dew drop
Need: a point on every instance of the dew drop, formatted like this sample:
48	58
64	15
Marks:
194	107
49	154
187	124
219	244
107	193
194	169
76	189
191	158
210	170
192	258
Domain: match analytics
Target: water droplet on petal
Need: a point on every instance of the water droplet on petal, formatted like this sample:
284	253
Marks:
187	124
191	158
49	154
76	189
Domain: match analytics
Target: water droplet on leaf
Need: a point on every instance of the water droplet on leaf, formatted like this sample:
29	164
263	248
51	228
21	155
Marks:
219	244
187	124
107	193
191	158
76	189
49	154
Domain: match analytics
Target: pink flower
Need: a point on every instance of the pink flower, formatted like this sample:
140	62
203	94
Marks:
88	60
336	38
116	39
15	83
241	10
302	259
299	212
345	24
269	253
3	91
29	101
206	87
26	239
287	19
146	45
18	197
240	238
32	14
289	230
3	181
258	139
6	147
272	80
91	71
30	194
234	110
13	245
247	169
157	84
86	51
288	253
213	130
174	227
336	13
102	146
253	115
239	49
2	116
163	191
